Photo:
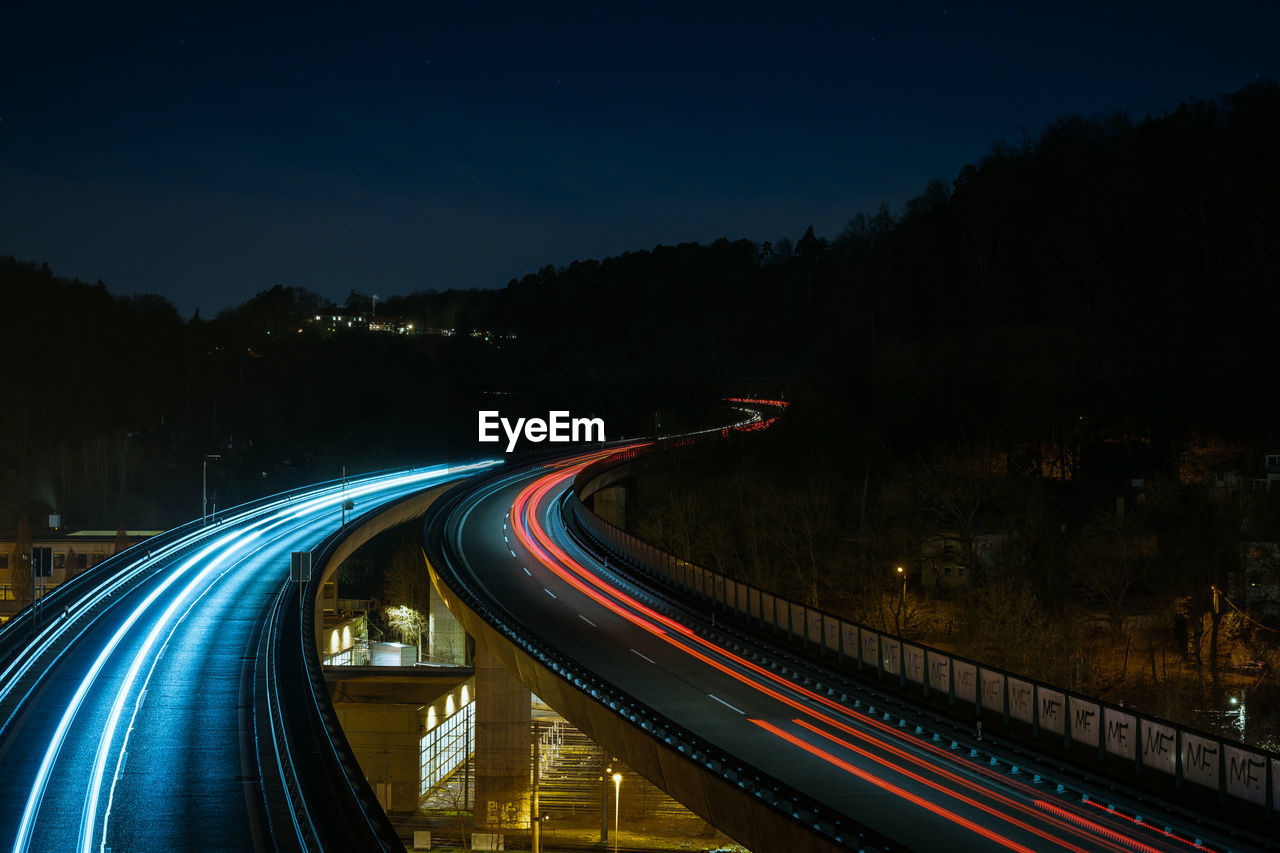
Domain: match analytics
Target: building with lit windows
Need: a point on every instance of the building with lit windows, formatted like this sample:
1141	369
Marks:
73	552
408	749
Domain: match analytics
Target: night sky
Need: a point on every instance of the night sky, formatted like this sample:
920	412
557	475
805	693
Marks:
208	154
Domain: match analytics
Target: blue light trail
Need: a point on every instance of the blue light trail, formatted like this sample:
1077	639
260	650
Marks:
262	535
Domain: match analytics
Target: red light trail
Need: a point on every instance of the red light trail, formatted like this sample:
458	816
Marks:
534	537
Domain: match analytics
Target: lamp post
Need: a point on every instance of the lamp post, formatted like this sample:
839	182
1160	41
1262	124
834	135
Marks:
617	807
902	602
535	819
204	487
604	804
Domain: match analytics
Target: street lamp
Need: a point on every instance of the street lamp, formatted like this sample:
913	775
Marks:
204	487
1238	708
617	807
902	601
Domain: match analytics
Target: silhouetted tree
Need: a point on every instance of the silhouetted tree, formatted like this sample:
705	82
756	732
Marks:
20	564
1112	563
406	582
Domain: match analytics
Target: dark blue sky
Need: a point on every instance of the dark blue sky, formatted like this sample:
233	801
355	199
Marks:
206	155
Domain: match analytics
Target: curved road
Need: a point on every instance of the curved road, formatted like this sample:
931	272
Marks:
865	756
134	728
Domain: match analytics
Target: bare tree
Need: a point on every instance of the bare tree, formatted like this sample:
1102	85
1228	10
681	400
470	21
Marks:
406	591
121	454
801	531
1200	544
951	493
676	523
409	623
1006	624
1112	561
20	564
406	582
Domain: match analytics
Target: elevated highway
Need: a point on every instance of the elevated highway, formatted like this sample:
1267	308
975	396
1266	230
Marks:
777	751
172	697
164	701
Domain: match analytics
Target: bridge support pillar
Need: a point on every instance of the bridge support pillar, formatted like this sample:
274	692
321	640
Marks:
611	504
446	641
502	748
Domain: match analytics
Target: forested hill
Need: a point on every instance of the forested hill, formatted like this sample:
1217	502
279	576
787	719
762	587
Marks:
1114	269
1111	269
1117	269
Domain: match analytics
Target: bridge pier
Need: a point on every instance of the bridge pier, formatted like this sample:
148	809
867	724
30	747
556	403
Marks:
610	503
503	719
446	640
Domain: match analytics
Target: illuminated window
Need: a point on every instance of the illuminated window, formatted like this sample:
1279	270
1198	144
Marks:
446	747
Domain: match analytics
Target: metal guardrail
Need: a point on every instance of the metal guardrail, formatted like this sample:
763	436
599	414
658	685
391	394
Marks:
803	810
329	798
290	777
1188	757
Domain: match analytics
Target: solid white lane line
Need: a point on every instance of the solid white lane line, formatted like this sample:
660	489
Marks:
548	592
585	619
724	703
637	654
